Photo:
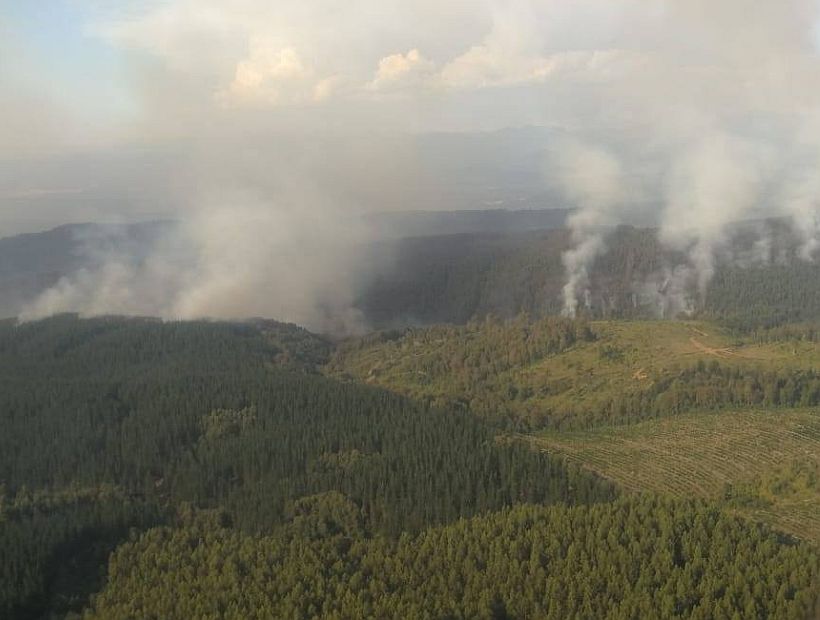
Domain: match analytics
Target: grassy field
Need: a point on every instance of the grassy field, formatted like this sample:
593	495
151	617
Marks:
763	464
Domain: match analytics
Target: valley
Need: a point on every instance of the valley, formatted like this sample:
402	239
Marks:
274	462
503	310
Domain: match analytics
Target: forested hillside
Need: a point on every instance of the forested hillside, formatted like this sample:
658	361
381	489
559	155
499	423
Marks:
32	263
502	263
212	470
452	279
113	424
525	374
635	558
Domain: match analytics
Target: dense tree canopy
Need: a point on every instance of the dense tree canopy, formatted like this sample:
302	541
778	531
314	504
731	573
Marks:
223	416
502	371
635	558
455	278
210	470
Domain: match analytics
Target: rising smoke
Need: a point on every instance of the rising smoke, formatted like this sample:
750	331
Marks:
725	106
694	114
712	187
591	179
231	262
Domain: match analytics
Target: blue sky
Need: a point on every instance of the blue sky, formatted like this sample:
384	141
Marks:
66	60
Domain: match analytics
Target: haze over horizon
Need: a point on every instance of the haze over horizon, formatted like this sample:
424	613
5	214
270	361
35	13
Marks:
268	128
428	309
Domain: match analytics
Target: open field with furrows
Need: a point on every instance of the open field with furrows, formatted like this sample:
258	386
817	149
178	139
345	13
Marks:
762	464
593	381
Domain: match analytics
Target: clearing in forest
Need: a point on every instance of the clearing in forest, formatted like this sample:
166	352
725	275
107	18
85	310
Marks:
763	464
580	385
630	357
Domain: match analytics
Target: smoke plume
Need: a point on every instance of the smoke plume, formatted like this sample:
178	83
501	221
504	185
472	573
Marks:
712	187
282	122
240	259
591	179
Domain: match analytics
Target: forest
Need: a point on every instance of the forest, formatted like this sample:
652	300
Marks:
436	310
210	469
526	374
113	424
454	278
640	557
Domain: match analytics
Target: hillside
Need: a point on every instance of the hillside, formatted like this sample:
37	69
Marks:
138	453
32	263
750	451
594	373
637	558
114	425
762	464
501	263
451	279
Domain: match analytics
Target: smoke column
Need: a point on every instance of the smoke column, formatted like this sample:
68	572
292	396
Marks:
591	180
240	259
712	186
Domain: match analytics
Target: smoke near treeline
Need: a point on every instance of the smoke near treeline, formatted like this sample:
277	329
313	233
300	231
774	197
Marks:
502	263
271	134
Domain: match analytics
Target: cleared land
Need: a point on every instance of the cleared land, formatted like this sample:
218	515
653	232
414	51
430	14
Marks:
630	356
764	464
627	358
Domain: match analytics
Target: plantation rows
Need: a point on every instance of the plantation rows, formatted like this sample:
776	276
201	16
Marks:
734	456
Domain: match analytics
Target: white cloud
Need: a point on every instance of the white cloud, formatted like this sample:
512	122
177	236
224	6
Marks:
273	75
402	71
482	66
326	88
456	46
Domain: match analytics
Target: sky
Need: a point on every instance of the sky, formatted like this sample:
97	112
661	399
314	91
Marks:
419	66
271	120
51	57
157	81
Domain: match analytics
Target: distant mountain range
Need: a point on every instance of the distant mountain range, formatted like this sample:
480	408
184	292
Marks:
32	263
405	224
450	266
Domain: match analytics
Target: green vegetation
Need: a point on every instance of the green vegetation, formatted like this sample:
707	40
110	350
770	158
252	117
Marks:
475	367
763	464
218	470
580	375
636	558
453	279
215	415
54	546
765	296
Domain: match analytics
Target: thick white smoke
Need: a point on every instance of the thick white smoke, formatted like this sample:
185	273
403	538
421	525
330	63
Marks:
802	203
723	103
591	180
240	260
696	99
711	188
